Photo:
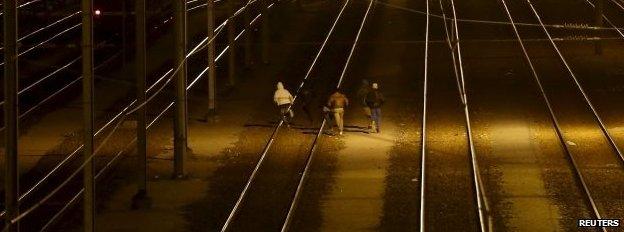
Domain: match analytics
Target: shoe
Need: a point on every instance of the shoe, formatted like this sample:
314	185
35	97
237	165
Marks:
341	133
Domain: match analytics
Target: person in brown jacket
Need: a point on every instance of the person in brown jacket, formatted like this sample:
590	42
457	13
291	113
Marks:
337	103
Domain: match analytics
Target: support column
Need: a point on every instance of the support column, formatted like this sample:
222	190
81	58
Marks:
179	124
248	38
141	199
11	181
87	107
599	9
231	34
212	88
265	33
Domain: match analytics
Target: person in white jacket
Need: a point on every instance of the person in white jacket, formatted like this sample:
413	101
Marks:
284	100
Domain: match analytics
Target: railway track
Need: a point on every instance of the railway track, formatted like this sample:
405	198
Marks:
496	156
57	190
528	151
505	144
474	190
453	196
57	37
274	186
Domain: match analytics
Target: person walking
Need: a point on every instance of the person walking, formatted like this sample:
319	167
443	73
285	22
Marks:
306	102
284	100
375	100
327	114
362	93
337	103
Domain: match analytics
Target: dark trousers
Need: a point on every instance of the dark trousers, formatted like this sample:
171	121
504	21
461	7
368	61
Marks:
376	116
285	113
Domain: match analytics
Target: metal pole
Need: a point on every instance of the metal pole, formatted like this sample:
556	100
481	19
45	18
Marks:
141	199
11	182
248	38
87	107
265	34
179	128
599	9
211	59
230	38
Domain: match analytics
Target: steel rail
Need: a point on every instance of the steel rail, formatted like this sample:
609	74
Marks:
579	87
450	45
123	113
56	216
462	96
201	5
553	117
23	5
494	22
200	75
291	211
73	200
607	19
28	3
275	131
195	80
36	106
78	13
101	172
172	72
48	26
483	209
45	78
617	3
67	180
47	40
432	41
60	69
355	43
306	170
34	84
121	116
197	48
423	130
39	183
77	196
57	167
58	34
53	94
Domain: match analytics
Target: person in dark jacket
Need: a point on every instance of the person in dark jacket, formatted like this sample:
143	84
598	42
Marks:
375	100
329	117
362	93
306	102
